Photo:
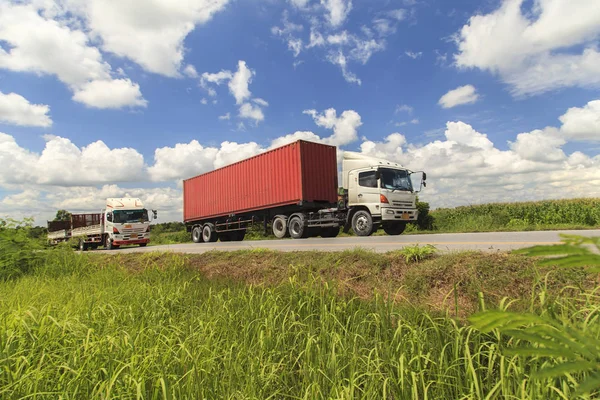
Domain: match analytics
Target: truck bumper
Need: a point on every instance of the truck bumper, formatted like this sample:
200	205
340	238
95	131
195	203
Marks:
126	242
399	214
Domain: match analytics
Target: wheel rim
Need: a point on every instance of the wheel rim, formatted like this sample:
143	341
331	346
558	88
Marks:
295	226
362	223
196	234
278	225
206	234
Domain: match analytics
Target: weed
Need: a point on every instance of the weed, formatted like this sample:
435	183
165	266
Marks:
417	253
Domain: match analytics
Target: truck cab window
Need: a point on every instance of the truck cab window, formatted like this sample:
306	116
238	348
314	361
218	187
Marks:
368	179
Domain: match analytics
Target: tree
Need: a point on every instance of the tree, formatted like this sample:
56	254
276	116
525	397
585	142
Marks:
62	215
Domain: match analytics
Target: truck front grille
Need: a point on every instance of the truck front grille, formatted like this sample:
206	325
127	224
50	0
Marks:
408	204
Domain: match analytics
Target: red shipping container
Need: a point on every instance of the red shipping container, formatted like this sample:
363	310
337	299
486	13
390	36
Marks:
292	174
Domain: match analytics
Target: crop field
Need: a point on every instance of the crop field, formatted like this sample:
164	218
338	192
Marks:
261	324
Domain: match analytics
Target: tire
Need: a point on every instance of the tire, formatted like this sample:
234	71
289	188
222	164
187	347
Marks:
208	234
197	234
330	232
394	228
362	223
110	245
280	226
82	245
297	228
143	244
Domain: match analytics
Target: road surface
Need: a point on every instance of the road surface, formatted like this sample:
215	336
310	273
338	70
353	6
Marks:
495	241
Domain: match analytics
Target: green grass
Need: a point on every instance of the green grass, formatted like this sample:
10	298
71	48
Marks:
261	324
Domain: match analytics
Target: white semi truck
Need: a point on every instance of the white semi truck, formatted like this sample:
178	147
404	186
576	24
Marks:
123	221
294	188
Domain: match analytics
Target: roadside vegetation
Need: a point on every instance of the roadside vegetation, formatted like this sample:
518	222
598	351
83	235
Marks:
262	324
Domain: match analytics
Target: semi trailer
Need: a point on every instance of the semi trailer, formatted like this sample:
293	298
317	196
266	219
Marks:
295	190
123	221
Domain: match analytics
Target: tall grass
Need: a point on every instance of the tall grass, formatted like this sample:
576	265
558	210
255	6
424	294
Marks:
576	213
86	329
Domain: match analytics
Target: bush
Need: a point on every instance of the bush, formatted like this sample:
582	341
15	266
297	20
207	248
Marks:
18	250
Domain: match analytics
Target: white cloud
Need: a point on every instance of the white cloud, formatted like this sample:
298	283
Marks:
115	93
62	163
345	127
225	117
582	124
238	85
34	39
404	108
300	3
149	33
338	11
398	14
461	95
17	110
204	101
260	102
413	55
338	58
247	110
540	145
551	46
190	71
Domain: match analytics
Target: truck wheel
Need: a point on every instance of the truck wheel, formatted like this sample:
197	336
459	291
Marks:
362	223
208	234
110	245
280	226
143	244
197	234
394	228
330	232
82	245
296	227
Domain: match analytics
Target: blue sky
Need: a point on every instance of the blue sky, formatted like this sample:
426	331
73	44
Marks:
73	73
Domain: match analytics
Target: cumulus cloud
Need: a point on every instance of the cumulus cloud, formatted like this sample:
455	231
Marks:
461	95
345	127
582	124
249	111
549	46
63	163
36	33
17	110
115	93
337	10
148	33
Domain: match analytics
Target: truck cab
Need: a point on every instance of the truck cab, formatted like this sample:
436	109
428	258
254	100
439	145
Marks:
379	193
126	222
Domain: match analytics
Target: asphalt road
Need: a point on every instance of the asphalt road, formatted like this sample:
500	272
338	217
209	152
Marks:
496	241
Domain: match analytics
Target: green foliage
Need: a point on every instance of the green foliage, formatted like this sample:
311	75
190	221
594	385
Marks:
416	253
62	215
575	251
18	250
425	220
168	332
569	341
519	216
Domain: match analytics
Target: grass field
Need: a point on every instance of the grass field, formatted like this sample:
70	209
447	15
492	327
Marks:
261	324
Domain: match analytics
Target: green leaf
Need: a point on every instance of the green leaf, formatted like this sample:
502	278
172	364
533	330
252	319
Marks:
559	249
563	368
589	385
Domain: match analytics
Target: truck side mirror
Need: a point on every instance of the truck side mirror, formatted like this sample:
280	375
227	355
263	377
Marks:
154	214
109	217
424	176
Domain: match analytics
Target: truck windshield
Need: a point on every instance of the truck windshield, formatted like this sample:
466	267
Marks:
130	216
395	179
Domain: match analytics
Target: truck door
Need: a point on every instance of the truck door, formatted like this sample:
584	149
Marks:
368	188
